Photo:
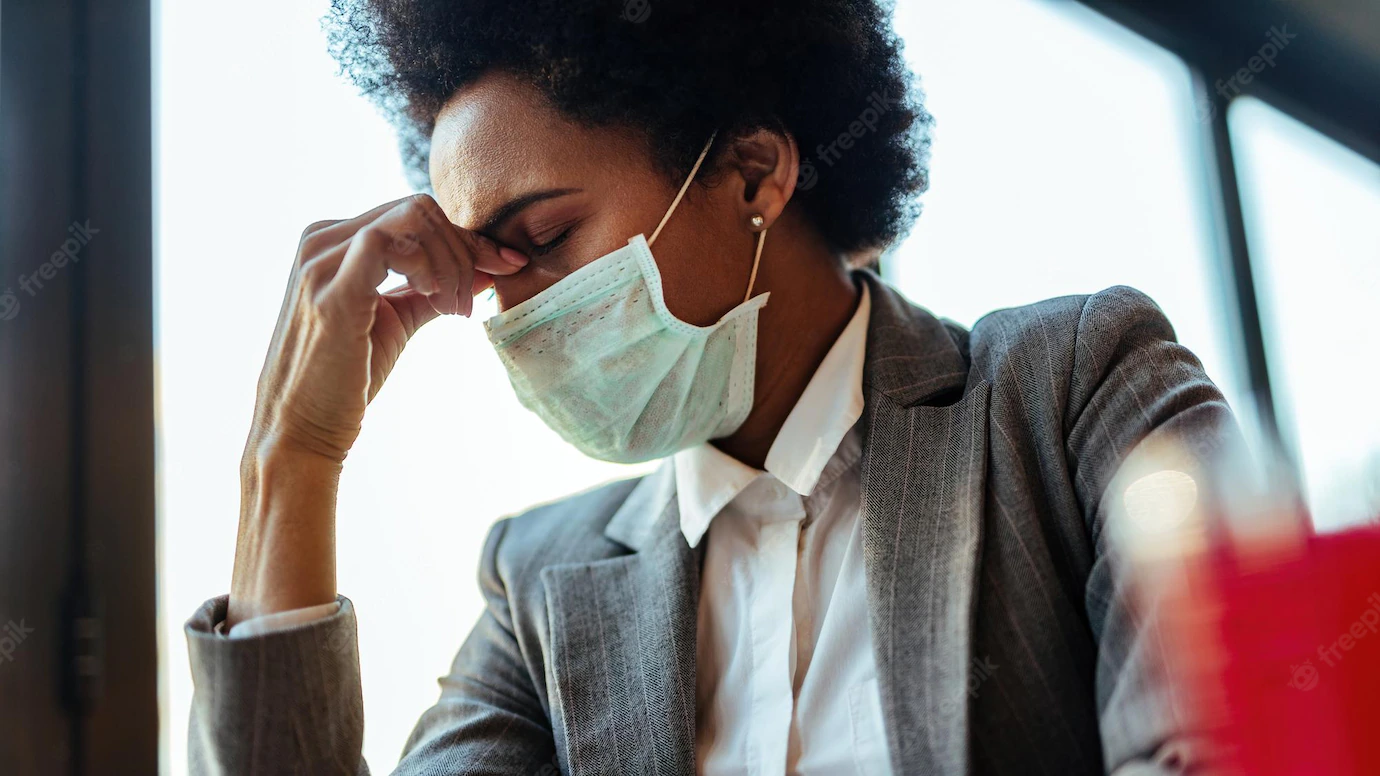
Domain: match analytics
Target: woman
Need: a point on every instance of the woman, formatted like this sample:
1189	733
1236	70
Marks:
875	543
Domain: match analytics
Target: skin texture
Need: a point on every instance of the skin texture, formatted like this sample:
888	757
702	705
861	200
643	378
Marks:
498	142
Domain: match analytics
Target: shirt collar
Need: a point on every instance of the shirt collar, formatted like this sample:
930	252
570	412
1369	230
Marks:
708	479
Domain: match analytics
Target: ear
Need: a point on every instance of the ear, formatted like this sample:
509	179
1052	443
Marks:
763	166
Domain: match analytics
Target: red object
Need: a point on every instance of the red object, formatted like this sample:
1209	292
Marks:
1298	655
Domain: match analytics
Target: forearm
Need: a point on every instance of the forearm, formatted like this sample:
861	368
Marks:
285	550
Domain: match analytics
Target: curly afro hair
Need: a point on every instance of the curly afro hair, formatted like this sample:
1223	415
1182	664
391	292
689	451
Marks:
828	72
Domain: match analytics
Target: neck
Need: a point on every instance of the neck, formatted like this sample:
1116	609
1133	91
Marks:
812	300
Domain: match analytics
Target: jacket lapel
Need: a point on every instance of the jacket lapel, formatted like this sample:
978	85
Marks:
923	471
623	630
623	636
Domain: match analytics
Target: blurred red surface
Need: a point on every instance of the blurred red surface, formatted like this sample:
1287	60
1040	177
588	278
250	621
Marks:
1286	658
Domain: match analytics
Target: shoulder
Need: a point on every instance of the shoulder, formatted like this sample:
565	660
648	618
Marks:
1069	337
568	530
1085	320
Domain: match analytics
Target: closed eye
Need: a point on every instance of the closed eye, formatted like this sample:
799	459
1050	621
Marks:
552	244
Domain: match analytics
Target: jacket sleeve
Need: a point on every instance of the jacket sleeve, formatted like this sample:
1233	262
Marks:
489	719
282	702
1133	384
289	701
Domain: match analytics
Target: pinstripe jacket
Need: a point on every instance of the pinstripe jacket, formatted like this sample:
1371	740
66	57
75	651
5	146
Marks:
1005	642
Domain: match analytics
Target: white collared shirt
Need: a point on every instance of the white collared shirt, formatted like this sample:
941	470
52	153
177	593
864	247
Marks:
787	681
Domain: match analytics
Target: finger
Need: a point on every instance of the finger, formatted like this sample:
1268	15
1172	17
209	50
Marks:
467	270
462	261
343	230
488	259
491	257
449	258
414	309
483	281
324	267
419	224
447	269
371	254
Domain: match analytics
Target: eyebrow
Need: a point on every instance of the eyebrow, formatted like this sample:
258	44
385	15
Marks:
514	206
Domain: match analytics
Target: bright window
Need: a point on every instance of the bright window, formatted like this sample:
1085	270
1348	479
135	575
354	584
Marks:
1066	160
1313	220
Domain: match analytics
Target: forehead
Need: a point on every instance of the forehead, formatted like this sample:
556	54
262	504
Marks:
498	139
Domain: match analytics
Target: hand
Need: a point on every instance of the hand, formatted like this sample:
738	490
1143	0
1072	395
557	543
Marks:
338	338
336	341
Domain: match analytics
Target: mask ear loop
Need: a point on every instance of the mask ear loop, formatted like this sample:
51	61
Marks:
761	237
761	240
686	187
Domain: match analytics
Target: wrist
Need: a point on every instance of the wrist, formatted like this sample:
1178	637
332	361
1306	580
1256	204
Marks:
277	453
285	550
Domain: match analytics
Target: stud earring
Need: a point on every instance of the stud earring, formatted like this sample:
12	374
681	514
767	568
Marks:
758	221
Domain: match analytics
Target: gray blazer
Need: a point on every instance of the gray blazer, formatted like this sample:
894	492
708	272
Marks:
1004	639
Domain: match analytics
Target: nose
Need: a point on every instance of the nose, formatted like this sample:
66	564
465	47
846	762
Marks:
513	290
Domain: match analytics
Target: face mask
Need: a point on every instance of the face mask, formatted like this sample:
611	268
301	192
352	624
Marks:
605	364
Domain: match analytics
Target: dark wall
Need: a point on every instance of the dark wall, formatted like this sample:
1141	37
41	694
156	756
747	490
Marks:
78	678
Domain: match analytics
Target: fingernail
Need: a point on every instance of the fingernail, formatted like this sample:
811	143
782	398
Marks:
512	257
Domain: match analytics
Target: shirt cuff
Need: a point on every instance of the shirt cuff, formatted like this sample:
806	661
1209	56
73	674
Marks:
278	621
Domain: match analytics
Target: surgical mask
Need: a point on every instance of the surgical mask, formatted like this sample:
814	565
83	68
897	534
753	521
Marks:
605	364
